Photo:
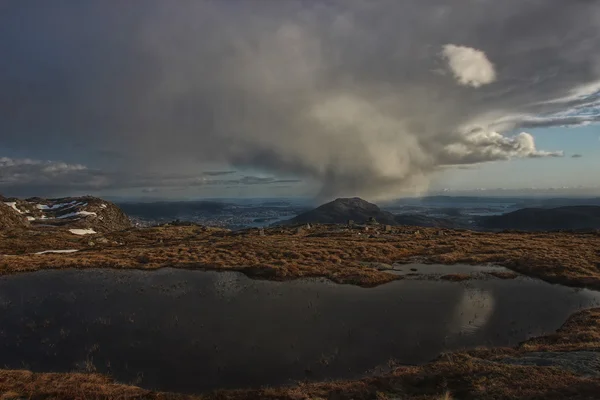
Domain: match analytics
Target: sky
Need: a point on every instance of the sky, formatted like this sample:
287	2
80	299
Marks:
326	98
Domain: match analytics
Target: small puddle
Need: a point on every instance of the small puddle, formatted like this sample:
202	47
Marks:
191	331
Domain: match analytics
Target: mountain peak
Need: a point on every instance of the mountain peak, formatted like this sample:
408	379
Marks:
343	209
351	202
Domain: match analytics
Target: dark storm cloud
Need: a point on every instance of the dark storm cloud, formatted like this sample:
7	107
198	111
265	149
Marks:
366	98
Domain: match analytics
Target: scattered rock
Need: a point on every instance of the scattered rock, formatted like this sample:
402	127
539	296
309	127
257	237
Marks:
388	228
261	232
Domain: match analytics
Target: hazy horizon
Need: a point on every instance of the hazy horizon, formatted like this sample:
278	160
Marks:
549	193
524	193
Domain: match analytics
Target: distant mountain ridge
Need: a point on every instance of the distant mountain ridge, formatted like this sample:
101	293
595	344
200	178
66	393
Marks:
340	211
82	213
517	202
545	219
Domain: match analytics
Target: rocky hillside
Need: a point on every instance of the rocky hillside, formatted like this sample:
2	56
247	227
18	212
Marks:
82	215
341	210
11	219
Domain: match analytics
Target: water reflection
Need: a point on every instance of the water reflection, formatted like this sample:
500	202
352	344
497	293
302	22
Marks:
473	310
191	331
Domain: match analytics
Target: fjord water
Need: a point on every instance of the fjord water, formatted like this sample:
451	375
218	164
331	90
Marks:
190	331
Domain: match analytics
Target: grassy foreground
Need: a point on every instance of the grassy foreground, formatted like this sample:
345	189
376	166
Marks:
333	252
476	374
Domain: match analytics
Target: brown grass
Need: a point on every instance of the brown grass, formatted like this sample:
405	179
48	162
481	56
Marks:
18	384
333	252
580	332
467	375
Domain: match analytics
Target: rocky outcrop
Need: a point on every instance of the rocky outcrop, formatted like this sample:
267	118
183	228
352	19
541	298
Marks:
82	214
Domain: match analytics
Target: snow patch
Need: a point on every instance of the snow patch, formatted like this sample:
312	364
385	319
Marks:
76	214
56	251
13	205
59	205
30	218
102	205
82	231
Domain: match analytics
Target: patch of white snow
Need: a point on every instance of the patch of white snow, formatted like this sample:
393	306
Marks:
82	231
56	206
56	251
76	214
13	205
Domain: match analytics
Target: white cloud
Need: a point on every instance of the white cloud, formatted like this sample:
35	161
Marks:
483	146
471	67
580	92
24	170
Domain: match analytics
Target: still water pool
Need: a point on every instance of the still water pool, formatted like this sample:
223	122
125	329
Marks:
190	331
